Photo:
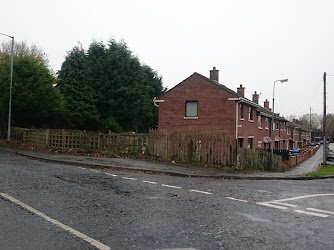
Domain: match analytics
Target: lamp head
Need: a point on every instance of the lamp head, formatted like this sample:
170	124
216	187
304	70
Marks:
284	80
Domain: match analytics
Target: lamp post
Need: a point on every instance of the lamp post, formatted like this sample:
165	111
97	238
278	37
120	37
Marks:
272	125
10	88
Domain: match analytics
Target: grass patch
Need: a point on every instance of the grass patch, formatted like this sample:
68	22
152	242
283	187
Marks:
323	171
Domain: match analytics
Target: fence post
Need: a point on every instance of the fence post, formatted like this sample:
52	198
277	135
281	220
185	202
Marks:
47	137
98	140
63	138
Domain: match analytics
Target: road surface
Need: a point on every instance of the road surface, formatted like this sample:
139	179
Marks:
51	206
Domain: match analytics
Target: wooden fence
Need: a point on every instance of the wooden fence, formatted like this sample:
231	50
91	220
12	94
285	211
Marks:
77	139
210	149
205	149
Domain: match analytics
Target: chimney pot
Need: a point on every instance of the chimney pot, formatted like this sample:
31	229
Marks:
256	98
214	74
241	91
266	104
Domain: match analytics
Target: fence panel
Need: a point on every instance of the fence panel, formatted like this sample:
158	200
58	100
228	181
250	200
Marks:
77	139
213	149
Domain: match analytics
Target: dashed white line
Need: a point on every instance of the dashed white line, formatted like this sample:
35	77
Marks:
164	185
150	182
93	170
114	175
311	213
320	211
199	191
235	199
129	178
82	236
81	167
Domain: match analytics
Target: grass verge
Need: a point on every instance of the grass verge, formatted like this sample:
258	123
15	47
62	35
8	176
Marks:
323	171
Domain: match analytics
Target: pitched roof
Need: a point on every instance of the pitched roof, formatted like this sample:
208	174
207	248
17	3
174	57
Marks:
223	87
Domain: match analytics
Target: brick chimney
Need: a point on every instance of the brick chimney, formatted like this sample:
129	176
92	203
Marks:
241	91
214	74
256	98
266	104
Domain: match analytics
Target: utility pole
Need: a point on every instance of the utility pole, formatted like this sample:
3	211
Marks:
311	124
10	88
324	123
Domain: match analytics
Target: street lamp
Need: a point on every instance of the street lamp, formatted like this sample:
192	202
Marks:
272	125
10	88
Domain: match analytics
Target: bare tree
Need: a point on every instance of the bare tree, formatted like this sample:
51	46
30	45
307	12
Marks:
22	48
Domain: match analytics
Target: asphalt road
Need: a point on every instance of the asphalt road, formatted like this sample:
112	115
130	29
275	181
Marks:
53	206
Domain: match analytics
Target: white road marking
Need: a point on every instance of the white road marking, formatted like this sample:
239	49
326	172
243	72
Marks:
235	199
129	178
93	170
270	205
277	203
86	238
311	213
199	191
164	185
300	197
151	182
111	174
81	167
320	211
284	204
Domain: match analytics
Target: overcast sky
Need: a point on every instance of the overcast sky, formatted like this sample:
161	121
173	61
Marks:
251	42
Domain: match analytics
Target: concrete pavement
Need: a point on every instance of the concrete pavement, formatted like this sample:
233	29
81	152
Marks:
309	165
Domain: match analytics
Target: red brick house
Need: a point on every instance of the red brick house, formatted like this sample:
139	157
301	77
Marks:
201	104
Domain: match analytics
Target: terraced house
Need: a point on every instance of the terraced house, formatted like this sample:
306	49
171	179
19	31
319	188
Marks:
203	105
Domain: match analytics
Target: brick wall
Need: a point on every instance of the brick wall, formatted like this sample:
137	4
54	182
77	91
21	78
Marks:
251	129
216	114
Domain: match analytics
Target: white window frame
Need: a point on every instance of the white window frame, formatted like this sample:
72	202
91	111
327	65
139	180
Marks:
250	114
190	114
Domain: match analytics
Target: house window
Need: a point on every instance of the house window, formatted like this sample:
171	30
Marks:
267	122
241	111
191	109
259	121
250	114
240	142
250	143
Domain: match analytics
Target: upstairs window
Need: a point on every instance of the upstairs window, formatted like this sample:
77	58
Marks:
191	109
241	111
259	121
250	114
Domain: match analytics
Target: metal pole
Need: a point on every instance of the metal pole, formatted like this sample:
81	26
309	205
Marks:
272	130
10	92
272	124
10	88
310	125
324	124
